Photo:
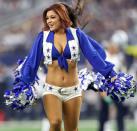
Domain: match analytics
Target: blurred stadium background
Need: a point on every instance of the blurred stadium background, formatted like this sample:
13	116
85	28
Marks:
113	23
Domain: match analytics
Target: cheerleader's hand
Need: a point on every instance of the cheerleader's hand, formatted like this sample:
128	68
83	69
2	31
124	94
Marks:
113	78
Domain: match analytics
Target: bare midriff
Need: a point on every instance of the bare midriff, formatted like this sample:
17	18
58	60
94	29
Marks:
59	77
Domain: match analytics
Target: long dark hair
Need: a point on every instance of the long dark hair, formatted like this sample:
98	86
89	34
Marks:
74	14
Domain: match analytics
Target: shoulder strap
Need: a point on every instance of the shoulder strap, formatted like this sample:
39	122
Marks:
75	54
47	48
73	31
45	35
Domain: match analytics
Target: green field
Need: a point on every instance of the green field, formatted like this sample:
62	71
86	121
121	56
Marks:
84	125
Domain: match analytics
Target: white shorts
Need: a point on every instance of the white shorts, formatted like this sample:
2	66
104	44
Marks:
63	93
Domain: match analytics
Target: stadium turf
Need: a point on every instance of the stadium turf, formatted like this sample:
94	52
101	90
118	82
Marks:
84	125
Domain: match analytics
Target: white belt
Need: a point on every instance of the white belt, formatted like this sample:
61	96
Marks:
62	90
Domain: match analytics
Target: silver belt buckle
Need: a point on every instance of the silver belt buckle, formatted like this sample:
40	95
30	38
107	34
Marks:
62	92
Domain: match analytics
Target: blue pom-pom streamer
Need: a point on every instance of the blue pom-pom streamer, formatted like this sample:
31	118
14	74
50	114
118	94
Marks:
122	88
23	94
20	98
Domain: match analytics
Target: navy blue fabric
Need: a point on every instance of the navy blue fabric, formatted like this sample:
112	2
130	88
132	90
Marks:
100	65
98	47
30	67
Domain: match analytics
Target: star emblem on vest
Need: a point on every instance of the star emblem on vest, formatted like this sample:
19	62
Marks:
48	50
48	56
73	47
50	88
74	55
76	89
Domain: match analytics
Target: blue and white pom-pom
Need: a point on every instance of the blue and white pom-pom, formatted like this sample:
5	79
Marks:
20	97
23	94
122	88
86	78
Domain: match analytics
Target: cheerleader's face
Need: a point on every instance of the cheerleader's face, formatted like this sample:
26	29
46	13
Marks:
53	20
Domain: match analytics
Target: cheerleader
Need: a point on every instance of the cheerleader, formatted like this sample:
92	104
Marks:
59	45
